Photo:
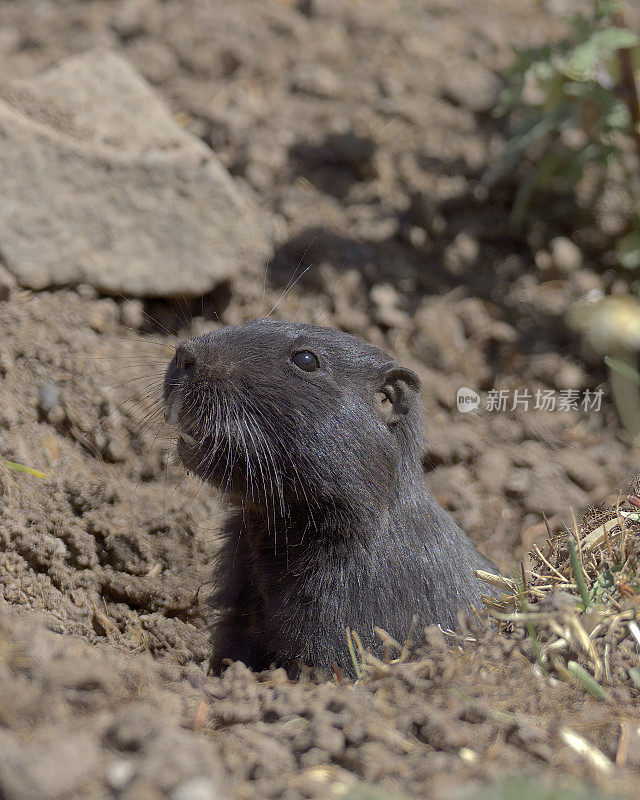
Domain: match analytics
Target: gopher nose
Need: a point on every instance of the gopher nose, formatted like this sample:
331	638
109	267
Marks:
203	358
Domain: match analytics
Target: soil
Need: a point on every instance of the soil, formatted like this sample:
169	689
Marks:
364	129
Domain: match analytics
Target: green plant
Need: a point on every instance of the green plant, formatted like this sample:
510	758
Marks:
574	105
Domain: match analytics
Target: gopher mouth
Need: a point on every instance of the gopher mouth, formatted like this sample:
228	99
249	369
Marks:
173	416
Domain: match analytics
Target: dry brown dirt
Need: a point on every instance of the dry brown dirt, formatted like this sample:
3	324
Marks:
364	129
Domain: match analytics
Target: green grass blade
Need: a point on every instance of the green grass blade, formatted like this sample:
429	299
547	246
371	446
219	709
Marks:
578	574
21	468
522	597
588	683
622	368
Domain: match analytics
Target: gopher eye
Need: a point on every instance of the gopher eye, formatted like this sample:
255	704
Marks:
306	360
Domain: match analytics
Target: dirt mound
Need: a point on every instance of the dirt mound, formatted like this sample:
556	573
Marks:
79	721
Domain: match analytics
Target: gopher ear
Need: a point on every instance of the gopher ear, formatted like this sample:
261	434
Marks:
399	389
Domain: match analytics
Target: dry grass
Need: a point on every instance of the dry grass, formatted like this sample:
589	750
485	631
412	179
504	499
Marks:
578	599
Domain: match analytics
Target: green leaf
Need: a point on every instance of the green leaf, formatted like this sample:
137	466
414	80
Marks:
600	47
628	250
617	116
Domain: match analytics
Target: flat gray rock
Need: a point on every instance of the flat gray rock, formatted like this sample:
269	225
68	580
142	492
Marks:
99	185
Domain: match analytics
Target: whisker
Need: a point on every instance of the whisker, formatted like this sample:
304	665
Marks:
286	292
291	283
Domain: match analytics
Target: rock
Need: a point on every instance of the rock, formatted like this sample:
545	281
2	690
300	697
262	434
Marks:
315	79
494	468
479	322
129	203
418	236
547	492
472	87
518	482
176	761
565	255
116	451
555	370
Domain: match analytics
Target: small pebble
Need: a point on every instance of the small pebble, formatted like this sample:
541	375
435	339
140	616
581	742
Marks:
461	253
386	300
468	755
383	294
134	18
566	256
569	376
585	280
118	774
518	481
47	397
103	315
86	292
475	88
418	236
543	260
316	79
132	314
116	450
196	789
